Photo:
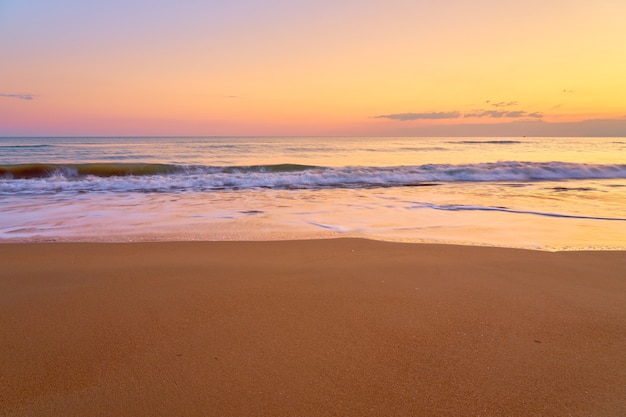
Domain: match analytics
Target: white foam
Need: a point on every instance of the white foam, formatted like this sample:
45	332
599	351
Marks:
202	179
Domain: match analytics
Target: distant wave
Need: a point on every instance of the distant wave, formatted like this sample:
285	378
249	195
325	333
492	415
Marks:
168	177
492	142
24	146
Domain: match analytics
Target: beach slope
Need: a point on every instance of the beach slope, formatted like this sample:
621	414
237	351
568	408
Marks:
344	327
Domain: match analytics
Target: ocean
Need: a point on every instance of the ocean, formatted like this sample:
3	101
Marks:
534	193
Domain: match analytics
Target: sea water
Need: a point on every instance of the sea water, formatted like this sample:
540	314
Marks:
540	193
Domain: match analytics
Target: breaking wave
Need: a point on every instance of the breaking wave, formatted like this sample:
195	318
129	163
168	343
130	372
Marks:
146	177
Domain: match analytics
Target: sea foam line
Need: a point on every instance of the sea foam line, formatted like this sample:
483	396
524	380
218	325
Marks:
456	207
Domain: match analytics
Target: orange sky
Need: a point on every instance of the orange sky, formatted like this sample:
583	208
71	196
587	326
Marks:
295	67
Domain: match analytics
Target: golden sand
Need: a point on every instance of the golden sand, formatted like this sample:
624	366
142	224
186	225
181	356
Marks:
343	327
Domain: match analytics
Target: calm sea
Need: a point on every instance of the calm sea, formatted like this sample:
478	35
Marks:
541	193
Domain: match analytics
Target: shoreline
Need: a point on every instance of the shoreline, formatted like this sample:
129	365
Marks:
310	327
294	237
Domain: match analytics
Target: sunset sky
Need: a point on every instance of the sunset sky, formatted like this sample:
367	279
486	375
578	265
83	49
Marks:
299	67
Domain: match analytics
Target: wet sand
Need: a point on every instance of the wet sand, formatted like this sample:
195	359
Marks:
344	327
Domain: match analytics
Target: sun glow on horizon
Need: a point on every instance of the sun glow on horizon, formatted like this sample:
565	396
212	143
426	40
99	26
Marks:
250	67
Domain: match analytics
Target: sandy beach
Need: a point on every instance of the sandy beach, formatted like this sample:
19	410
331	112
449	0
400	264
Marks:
344	327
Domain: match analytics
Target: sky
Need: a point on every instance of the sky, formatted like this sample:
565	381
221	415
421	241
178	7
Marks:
318	67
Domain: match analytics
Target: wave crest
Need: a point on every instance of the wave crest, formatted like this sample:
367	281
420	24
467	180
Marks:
166	177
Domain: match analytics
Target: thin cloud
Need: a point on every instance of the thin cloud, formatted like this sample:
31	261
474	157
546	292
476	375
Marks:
19	96
516	114
478	113
486	113
497	114
421	116
502	103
